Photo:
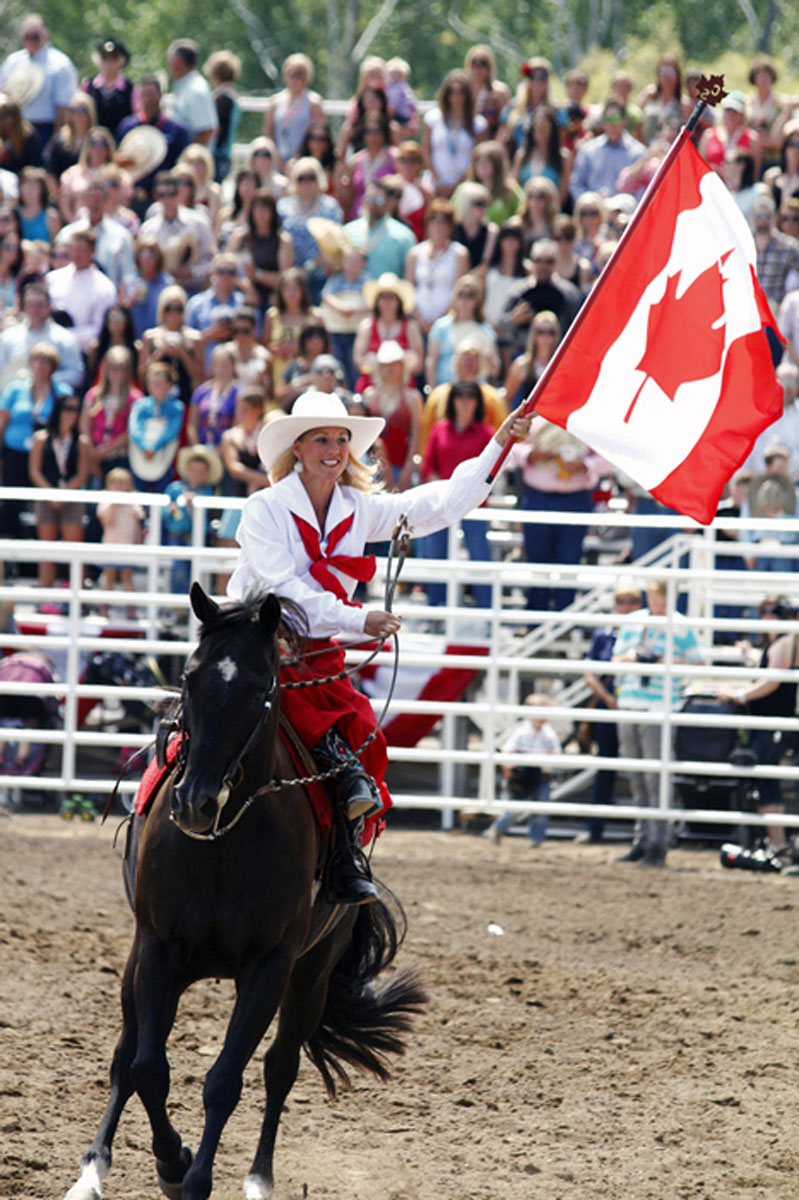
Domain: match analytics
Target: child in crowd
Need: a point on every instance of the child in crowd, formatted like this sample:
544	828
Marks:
401	101
344	307
123	526
199	470
525	782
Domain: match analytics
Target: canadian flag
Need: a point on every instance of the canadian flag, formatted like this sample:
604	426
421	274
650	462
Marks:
669	373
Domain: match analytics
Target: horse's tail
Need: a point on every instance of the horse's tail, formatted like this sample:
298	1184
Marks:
362	1024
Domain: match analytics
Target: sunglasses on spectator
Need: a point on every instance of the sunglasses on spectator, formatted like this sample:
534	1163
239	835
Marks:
539	75
480	62
543	261
373	129
479	203
71	408
318	137
225	271
98	142
306	179
262	153
546	330
613	118
792	141
590	212
393	193
163	192
787	218
173	308
31	37
243	329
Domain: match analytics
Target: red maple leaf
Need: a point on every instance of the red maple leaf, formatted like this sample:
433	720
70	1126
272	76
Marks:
684	337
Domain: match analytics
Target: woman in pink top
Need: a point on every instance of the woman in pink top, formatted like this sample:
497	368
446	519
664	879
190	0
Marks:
461	434
104	417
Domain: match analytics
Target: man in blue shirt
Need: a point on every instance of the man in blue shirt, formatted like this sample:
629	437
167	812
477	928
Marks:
384	241
210	312
600	162
18	340
639	642
175	134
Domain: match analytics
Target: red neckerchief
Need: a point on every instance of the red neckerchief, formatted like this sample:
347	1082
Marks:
361	568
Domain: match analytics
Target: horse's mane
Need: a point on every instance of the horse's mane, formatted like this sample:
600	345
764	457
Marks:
293	630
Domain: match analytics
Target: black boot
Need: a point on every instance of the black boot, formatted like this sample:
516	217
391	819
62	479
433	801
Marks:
357	791
349	879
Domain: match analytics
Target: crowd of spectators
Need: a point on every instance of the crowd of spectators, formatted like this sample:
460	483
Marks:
159	292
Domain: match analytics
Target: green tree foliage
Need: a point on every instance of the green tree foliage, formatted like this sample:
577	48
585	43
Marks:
432	34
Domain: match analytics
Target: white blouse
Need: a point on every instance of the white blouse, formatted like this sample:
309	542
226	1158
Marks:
273	557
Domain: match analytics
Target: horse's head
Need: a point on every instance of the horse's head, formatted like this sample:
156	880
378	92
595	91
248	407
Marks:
229	690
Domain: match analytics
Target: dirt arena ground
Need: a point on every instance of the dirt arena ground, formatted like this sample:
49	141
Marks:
629	1033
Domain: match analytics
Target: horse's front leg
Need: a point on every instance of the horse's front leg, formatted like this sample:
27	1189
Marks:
300	1012
96	1162
259	992
156	992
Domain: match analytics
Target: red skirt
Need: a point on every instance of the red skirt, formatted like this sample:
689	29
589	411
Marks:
315	709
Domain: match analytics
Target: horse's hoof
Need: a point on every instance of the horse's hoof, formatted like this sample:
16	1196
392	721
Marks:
256	1187
173	1188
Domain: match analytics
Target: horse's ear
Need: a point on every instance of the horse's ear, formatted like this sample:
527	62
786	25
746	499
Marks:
269	614
205	609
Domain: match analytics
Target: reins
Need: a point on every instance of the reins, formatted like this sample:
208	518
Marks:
399	547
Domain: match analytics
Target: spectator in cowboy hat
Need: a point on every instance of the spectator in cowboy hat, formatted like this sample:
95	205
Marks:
111	92
185	237
199	470
175	134
56	78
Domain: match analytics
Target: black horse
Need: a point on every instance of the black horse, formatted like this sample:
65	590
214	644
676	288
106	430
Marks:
243	904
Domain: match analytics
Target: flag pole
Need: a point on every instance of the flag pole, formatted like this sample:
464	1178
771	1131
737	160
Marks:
710	92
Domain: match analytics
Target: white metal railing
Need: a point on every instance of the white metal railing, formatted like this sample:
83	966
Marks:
74	636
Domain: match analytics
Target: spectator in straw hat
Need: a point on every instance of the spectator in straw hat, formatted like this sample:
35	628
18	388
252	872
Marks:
199	470
46	107
391	301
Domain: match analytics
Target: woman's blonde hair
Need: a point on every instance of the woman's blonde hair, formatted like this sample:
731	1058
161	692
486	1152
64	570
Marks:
97	131
302	166
116	354
469	191
173	292
358	475
299	60
194	153
540	183
474	284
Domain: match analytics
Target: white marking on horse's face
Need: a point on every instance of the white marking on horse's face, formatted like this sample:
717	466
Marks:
256	1188
227	669
90	1184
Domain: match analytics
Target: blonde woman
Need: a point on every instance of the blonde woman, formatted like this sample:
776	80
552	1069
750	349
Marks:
97	151
464	319
322	495
291	111
473	229
106	411
174	342
541	205
527	369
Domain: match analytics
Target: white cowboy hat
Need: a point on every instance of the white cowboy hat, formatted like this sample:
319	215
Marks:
316	410
141	150
388	282
24	84
210	457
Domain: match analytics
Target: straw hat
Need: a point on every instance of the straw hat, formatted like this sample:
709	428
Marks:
210	457
24	84
180	251
141	151
316	410
388	282
330	238
764	490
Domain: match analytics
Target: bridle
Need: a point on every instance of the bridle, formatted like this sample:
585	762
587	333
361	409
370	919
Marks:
398	549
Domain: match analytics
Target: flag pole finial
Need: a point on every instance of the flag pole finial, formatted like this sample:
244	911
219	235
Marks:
710	89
